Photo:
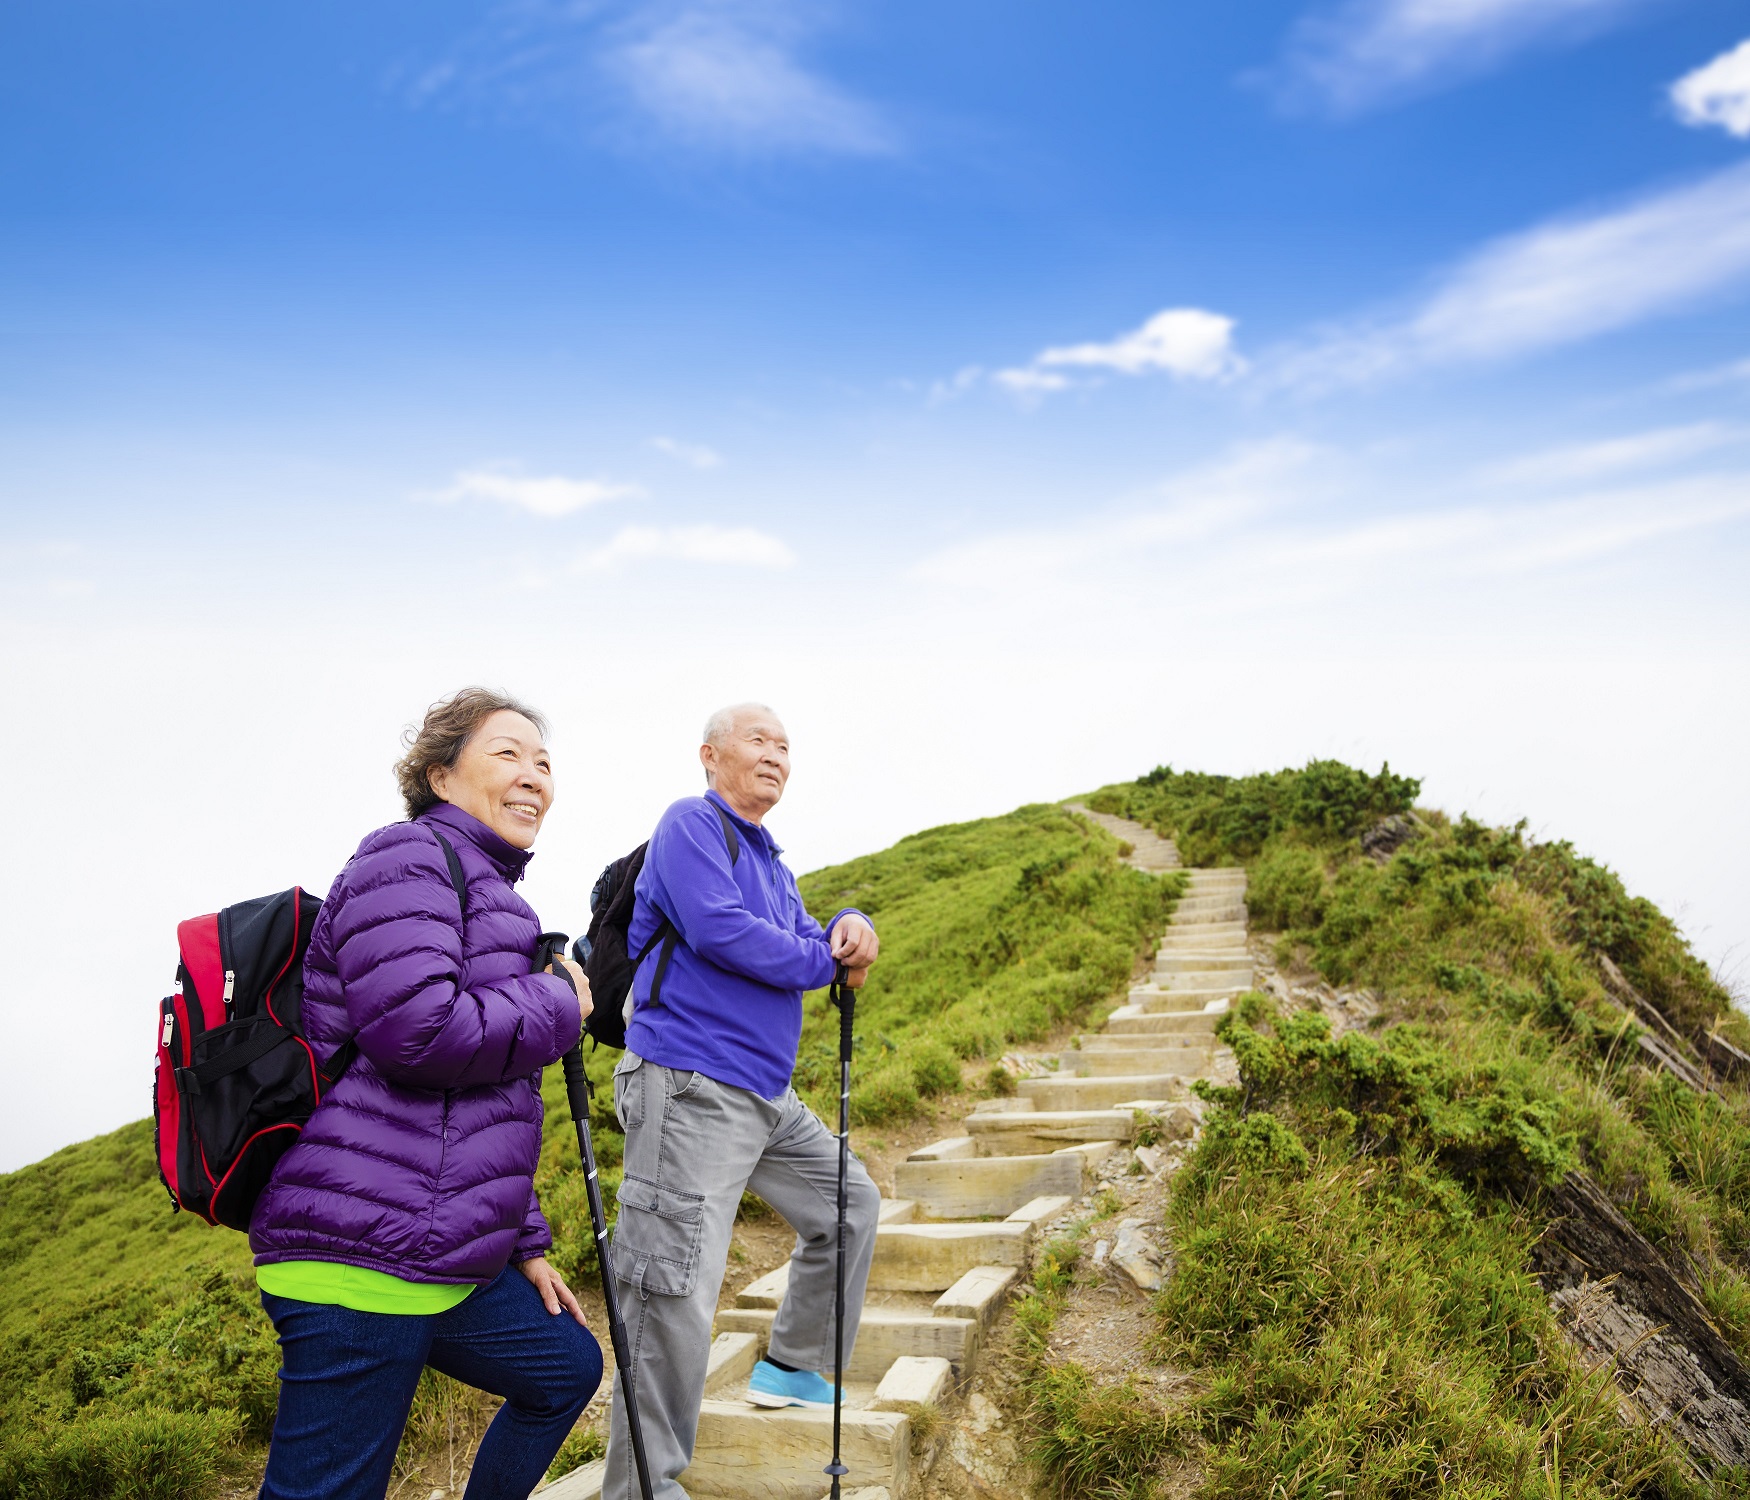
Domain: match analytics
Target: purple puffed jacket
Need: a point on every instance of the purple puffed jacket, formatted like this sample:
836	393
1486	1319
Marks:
421	1160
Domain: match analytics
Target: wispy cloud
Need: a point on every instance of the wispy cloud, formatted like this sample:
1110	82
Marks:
1735	373
694	455
1202	503
732	546
1557	284
1359	54
1283	525
717	76
729	73
1659	448
1717	93
550	495
1186	342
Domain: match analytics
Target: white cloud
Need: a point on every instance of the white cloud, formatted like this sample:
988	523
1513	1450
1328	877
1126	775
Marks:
1352	56
720	76
1717	93
727	74
1200	504
1557	284
1028	382
958	384
1186	342
1640	450
551	495
1735	373
735	546
695	455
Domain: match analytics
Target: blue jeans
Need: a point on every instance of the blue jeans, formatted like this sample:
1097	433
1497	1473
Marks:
347	1381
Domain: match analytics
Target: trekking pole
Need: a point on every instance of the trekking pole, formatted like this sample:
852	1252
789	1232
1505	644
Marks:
845	998
578	1094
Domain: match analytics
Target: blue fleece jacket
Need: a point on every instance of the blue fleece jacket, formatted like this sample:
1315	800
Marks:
730	1005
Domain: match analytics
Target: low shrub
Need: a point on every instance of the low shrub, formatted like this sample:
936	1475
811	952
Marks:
148	1454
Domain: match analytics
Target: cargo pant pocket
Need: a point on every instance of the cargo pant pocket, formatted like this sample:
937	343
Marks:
657	1238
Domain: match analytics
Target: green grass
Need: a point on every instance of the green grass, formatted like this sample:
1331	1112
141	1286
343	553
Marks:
991	933
1355	1226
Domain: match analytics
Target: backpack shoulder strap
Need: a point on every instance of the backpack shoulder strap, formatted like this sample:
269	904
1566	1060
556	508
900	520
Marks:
457	878
730	836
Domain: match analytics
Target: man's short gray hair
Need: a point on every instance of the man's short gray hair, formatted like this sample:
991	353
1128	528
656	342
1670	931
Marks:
721	724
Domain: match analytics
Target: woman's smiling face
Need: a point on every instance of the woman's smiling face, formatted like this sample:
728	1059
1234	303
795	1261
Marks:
503	777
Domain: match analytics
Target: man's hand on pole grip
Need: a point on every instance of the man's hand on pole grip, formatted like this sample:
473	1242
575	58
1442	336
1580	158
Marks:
855	946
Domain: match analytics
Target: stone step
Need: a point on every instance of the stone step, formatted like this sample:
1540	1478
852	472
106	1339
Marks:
1232	981
979	1294
1182	1023
1039	1132
1194	907
1193	961
1055	1094
1181	997
954	1148
1199	1037
916	1258
1129	1061
1215	934
885	1333
733	1356
744	1451
932	1257
914	1382
986	1186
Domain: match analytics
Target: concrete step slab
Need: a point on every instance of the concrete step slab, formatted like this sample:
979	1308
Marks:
745	1451
952	1149
1054	1094
1037	1210
1154	1000
913	1382
1191	1030
979	1294
1046	1130
932	1257
884	1334
1181	1023
986	1186
1183	1062
1201	961
914	1257
733	1356
1231	980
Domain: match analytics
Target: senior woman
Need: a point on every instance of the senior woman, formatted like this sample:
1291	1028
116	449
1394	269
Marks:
402	1229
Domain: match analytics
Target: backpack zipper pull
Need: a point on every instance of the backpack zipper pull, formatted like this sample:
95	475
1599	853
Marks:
169	1029
230	985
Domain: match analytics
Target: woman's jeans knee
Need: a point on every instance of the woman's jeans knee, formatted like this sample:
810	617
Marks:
347	1381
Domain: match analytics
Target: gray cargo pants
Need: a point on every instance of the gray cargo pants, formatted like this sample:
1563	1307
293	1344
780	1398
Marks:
692	1146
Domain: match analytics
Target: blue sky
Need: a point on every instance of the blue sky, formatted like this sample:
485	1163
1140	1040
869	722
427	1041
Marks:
1018	396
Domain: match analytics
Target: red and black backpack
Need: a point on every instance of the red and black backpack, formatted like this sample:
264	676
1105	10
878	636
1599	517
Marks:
236	1078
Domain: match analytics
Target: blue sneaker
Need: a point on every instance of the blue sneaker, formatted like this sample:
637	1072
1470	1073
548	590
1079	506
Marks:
770	1386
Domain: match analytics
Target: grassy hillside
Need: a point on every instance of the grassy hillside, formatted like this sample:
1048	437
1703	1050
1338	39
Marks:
1357	1231
134	1358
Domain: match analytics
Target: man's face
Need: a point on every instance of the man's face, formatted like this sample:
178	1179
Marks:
750	765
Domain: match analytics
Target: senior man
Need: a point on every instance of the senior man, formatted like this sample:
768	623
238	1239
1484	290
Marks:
704	1095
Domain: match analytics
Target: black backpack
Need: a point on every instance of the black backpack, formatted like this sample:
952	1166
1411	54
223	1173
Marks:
602	951
236	1078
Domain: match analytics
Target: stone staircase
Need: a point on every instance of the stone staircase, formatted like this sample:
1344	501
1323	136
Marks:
955	1241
